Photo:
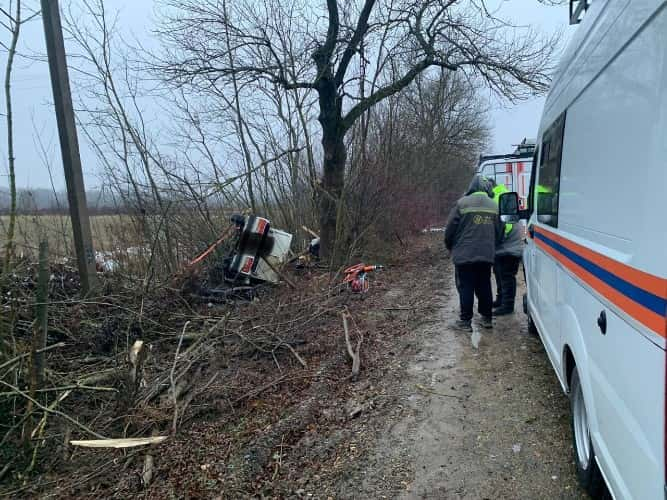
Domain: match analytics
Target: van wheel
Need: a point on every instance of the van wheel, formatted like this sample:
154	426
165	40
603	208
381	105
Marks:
588	472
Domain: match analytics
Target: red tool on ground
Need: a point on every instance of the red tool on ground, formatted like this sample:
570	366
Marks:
356	279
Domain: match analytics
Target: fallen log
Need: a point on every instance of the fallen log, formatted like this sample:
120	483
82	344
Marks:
94	378
172	380
147	471
118	443
356	359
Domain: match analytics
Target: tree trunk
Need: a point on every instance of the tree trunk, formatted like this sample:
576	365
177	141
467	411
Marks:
332	188
41	326
39	333
9	245
333	146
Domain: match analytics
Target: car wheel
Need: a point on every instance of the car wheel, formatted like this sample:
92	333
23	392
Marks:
588	472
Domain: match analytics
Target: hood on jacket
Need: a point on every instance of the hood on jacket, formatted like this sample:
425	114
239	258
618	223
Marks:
478	184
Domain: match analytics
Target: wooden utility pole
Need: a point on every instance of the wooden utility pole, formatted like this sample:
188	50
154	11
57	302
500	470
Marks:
69	144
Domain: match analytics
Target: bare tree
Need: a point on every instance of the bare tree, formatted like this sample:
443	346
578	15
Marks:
298	45
419	151
14	26
113	121
12	22
226	152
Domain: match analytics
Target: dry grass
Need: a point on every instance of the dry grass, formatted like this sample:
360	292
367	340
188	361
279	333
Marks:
108	231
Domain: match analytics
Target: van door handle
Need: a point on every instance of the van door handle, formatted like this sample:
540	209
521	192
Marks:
602	322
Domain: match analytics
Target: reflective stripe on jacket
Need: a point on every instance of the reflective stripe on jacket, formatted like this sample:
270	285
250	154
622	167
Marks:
473	228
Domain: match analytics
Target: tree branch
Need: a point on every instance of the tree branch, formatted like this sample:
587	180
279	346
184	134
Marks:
51	410
332	30
357	37
294	85
391	89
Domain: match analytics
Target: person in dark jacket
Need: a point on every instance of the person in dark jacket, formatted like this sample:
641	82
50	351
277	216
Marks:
506	265
473	228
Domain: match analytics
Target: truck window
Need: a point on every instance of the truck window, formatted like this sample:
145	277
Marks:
548	185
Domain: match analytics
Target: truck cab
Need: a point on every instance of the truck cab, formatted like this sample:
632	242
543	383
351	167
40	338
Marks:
512	170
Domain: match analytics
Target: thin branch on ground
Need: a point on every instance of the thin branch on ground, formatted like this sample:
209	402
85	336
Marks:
172	380
54	412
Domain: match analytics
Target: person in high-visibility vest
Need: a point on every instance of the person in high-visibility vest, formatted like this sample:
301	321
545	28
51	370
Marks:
506	264
473	228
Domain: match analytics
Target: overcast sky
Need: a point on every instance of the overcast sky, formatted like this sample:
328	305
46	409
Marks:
33	111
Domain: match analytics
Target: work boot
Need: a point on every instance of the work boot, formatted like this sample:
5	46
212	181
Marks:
504	310
486	322
462	325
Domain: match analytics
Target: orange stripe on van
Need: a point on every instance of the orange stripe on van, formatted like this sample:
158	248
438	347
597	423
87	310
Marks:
646	317
650	283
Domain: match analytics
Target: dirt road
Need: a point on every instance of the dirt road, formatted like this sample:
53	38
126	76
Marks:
478	416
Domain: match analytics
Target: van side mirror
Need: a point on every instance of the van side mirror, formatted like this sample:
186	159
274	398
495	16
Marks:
508	205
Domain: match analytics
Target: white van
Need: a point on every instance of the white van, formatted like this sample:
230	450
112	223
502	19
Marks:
596	258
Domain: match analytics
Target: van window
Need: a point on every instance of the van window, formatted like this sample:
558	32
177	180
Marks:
548	185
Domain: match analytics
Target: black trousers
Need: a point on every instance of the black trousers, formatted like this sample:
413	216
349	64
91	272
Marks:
471	280
505	269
